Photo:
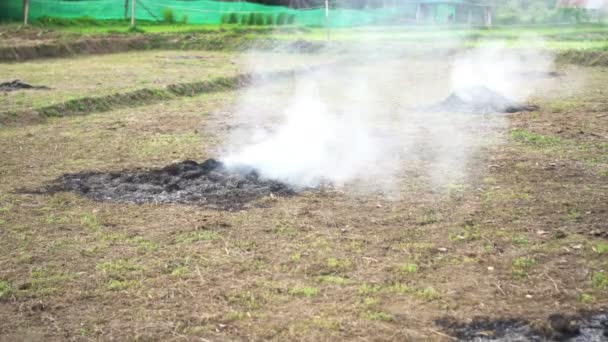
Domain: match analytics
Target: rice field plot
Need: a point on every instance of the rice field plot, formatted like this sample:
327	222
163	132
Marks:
521	237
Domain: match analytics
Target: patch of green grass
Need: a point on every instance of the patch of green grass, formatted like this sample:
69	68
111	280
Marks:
118	267
370	302
6	289
119	285
409	268
181	271
535	139
332	279
306	291
426	219
143	244
56	219
339	263
162	144
90	222
44	282
601	248
296	257
470	233
521	240
524	262
245	299
234	316
586	298
199	235
368	289
428	294
521	266
600	280
400	288
379	316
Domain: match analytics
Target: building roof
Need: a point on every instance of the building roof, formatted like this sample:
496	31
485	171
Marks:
588	4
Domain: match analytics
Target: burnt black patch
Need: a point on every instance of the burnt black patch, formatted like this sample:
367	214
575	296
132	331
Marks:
18	85
209	183
479	100
586	326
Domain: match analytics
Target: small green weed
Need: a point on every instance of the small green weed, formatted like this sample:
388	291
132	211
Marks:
470	233
409	268
5	289
586	298
524	262
600	280
573	214
601	248
521	240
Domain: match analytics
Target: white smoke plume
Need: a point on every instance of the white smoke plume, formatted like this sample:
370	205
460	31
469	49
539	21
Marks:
363	120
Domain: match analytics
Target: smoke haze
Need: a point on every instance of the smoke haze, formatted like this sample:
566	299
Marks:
362	121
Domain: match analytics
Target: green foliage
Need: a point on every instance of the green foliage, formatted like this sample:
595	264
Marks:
168	15
225	18
244	19
54	21
259	19
282	19
269	19
251	19
233	18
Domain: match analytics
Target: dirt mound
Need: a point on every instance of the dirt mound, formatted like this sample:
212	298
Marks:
479	100
208	183
590	326
17	85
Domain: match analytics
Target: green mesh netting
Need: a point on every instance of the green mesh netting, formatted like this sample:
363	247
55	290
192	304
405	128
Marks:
211	12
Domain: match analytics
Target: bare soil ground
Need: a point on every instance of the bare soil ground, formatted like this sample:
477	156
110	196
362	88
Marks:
523	237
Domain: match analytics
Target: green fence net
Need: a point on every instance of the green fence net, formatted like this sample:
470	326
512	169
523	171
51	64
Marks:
210	12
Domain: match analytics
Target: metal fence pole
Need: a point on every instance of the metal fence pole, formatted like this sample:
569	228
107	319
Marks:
133	13
26	11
